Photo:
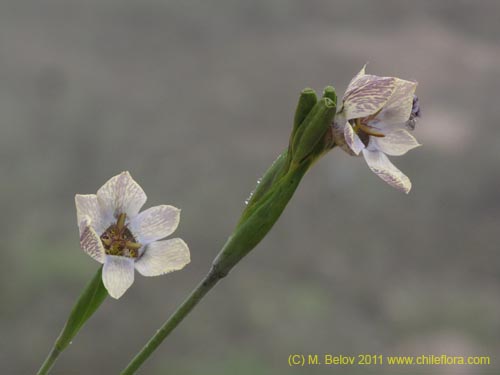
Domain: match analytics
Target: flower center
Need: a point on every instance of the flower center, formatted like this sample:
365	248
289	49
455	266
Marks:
118	240
364	131
360	126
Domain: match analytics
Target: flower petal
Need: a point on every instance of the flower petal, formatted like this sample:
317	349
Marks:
155	223
117	275
352	139
87	207
399	106
121	194
380	165
397	142
360	74
366	95
90	241
163	256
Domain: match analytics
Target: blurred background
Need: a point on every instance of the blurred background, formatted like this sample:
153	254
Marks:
196	99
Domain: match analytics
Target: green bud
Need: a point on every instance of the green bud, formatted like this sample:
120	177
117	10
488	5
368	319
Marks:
329	92
307	100
313	129
327	142
312	120
280	167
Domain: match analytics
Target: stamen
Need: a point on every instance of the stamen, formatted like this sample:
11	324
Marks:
106	241
355	125
133	245
118	240
369	130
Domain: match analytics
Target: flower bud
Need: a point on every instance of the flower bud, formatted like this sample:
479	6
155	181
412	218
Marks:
313	129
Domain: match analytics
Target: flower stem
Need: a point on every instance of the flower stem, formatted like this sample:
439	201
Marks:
311	125
49	361
246	236
182	311
88	302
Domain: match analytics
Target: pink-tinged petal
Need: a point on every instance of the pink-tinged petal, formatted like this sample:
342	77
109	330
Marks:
163	257
90	242
399	106
352	139
155	223
382	167
87	207
121	194
338	134
117	275
367	95
397	142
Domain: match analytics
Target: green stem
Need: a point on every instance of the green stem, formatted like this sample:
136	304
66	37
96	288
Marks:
307	143
88	302
49	361
178	316
238	245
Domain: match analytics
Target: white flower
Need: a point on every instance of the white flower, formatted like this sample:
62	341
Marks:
113	232
375	115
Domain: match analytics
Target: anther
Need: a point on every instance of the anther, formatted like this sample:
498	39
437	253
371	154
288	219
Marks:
369	130
133	245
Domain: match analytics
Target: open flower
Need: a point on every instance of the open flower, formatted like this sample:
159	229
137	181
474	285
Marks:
375	117
113	232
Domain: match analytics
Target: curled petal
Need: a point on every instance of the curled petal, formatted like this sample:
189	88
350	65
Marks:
399	106
338	134
382	167
397	142
366	95
90	241
162	257
155	223
352	139
117	275
121	194
87	208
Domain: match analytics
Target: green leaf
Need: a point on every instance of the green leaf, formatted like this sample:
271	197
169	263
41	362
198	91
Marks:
89	301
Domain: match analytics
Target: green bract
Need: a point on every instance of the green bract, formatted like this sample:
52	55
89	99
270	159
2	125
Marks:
309	139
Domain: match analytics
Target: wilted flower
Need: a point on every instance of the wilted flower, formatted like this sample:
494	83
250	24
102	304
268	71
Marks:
113	232
375	115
